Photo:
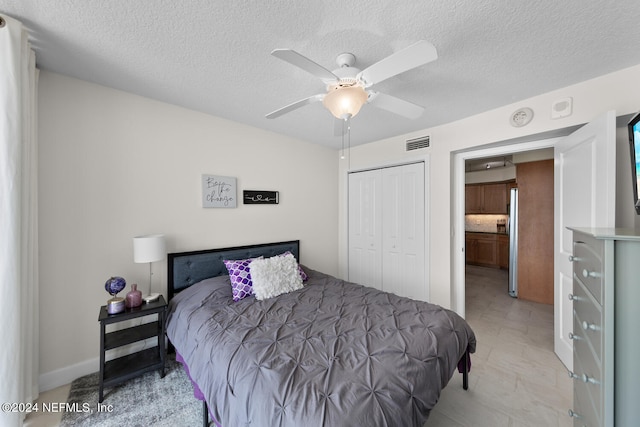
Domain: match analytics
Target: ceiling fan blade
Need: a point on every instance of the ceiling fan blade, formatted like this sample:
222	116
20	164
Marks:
395	105
410	57
301	61
284	110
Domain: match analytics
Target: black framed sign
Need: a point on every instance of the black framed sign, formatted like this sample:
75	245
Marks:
254	197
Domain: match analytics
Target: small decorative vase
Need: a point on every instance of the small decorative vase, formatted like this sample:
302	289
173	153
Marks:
115	305
113	285
134	297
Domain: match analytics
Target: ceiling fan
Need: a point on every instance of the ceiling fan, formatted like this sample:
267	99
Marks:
348	88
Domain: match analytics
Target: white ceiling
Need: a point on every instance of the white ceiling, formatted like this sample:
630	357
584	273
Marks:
214	55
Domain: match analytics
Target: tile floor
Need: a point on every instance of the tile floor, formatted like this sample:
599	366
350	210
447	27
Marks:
516	380
48	419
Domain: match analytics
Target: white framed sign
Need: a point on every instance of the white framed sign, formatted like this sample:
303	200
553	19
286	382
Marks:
218	191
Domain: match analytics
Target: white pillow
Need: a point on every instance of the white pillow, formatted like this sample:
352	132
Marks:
275	276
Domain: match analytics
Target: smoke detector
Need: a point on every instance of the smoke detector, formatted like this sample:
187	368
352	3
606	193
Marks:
521	117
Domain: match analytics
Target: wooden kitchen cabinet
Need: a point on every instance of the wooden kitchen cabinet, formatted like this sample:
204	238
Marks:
486	198
471	249
482	249
503	251
535	231
473	198
487	250
495	198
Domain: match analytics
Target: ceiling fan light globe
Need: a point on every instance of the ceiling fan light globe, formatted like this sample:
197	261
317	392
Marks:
345	101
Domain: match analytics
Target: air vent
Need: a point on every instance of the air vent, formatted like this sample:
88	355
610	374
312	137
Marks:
417	143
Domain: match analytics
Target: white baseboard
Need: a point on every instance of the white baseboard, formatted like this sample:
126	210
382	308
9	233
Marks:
62	376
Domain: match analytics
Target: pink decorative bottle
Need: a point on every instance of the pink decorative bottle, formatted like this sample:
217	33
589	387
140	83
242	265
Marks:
134	297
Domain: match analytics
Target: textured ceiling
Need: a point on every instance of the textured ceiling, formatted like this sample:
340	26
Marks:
214	55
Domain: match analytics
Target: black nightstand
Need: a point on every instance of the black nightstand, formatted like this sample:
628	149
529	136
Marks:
124	368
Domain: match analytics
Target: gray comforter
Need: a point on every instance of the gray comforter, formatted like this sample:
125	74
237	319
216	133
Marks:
331	354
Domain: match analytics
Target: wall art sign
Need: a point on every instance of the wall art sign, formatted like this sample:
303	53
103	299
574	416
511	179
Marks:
253	197
218	191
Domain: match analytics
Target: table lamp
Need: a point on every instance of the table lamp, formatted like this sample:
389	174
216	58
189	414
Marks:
149	248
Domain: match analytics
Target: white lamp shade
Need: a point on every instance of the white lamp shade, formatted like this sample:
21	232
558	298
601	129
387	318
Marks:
149	248
345	101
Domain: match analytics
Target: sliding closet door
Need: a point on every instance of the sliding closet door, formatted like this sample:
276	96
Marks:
365	238
403	253
387	230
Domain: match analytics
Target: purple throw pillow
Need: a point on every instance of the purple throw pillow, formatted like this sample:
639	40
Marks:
241	286
303	275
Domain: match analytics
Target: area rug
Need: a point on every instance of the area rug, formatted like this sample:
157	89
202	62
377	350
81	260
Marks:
144	401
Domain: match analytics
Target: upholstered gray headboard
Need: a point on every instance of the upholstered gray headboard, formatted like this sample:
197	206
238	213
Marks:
188	268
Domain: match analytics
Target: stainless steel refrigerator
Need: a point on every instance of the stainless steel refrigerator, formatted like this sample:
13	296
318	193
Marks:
513	243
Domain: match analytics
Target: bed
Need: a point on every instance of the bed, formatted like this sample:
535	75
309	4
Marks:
332	353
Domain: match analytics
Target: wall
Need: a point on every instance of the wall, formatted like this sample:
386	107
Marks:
616	91
533	156
492	175
113	165
509	172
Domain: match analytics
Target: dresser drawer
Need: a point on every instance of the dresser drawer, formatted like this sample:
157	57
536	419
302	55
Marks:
588	374
584	408
608	298
587	265
587	318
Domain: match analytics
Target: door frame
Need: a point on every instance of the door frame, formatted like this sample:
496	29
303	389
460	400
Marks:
458	245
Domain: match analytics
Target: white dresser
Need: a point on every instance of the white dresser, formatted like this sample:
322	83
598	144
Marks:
606	327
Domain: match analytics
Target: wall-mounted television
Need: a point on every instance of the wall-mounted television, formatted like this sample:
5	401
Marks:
634	145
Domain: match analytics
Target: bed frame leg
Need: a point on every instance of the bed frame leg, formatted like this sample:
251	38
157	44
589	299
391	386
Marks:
205	414
465	371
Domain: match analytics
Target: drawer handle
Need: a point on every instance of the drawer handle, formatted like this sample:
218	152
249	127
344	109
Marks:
590	326
573	336
574	297
573	414
587	379
586	273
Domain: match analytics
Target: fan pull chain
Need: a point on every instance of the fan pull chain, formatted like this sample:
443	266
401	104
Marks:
349	142
342	155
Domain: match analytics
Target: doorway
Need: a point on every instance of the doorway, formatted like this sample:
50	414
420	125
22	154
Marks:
460	159
593	145
505	218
